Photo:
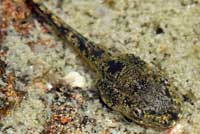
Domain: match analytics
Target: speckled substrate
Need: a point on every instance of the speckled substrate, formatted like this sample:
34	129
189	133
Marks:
163	32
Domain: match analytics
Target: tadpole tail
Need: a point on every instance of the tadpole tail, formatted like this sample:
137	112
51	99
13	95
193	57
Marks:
87	49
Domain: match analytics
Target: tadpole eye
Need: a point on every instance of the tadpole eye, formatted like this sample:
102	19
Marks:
137	112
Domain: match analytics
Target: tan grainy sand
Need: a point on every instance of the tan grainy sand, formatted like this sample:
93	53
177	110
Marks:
163	32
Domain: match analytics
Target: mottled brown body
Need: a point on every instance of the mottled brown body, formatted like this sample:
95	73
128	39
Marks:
126	83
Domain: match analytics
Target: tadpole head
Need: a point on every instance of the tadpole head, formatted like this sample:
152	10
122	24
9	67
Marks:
140	92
